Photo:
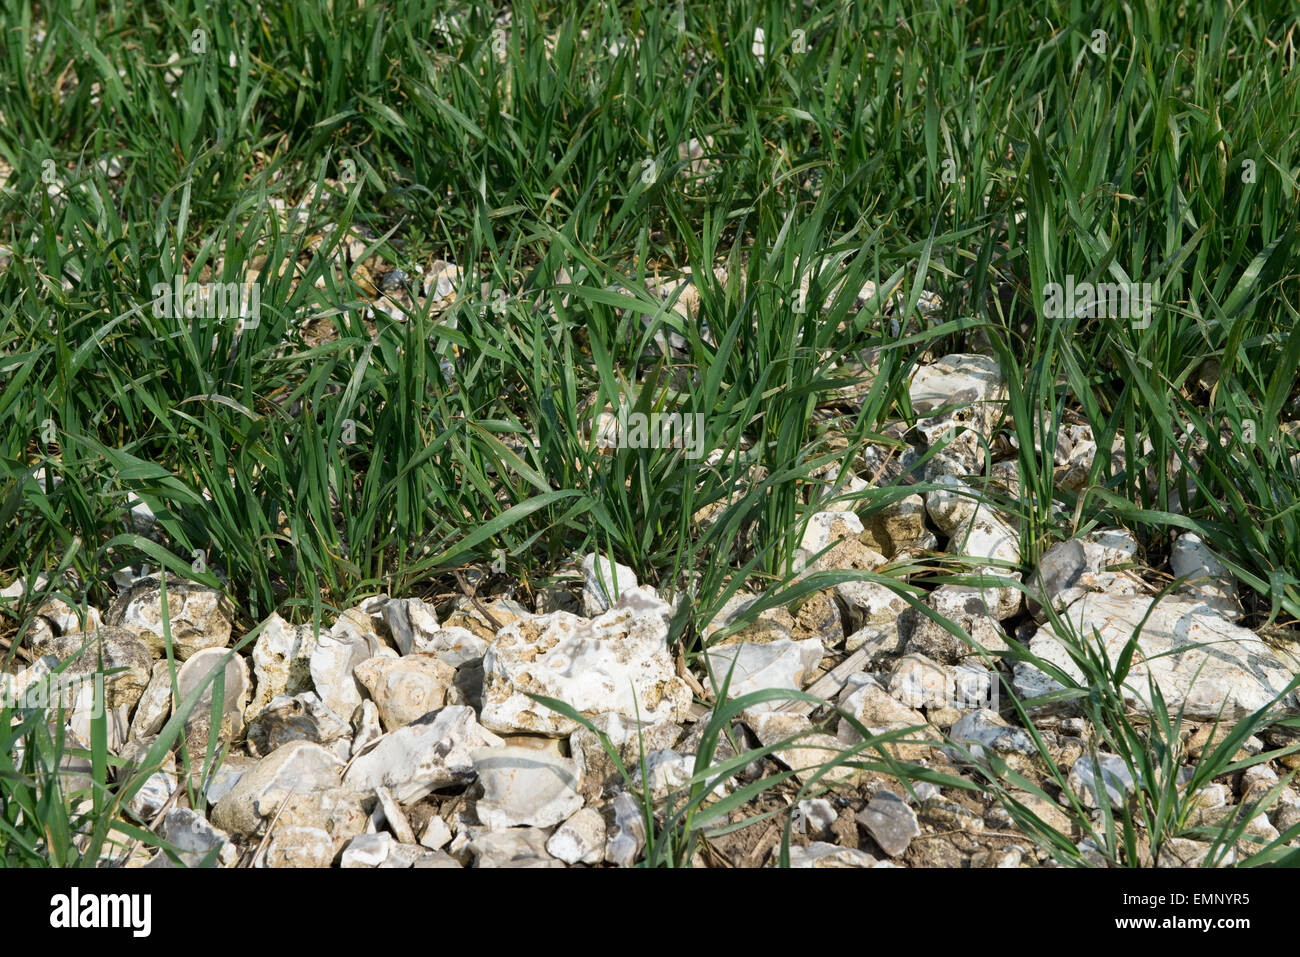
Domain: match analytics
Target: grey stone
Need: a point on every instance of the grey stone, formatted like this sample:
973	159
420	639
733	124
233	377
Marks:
626	834
890	822
432	752
523	786
303	717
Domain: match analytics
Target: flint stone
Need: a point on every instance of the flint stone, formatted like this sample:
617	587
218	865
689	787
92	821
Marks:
580	839
281	662
302	717
338	811
820	854
1202	664
626	831
773	624
963	606
597	771
405	688
618	662
119	648
200	617
410	621
432	752
807	750
367	850
1117	780
299	847
333	662
890	822
759	667
525	787
869	604
603	583
984	731
298	766
192	675
195	838
514	847
1209	580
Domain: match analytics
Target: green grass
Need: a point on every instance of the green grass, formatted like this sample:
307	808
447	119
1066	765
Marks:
976	151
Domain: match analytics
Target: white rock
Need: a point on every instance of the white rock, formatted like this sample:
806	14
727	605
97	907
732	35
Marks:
580	839
1116	780
603	583
814	816
869	604
899	527
758	667
436	833
890	822
200	617
766	625
336	810
983	731
515	847
405	688
669	772
1213	795
226	776
798	746
918	682
966	608
125	672
155	704
626	838
454	645
985	536
365	727
1209	580
1200	662
194	673
333	661
300	767
153	795
195	838
394	817
951	506
410	621
618	662
819	854
281	662
66	618
878	711
367	850
968	393
299	847
827	528
525	787
433	752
